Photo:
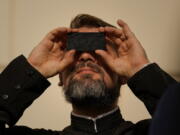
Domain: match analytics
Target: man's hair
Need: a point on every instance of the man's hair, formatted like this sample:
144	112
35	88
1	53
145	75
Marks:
85	20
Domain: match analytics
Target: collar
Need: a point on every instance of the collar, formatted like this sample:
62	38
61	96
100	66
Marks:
100	123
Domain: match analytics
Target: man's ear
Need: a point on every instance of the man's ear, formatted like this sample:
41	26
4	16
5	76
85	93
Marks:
60	80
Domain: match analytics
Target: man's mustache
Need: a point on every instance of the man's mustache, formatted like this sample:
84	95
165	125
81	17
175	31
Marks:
89	64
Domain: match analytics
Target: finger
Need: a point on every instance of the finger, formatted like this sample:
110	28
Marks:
109	42
121	47
74	30
69	30
123	50
106	57
110	31
114	40
113	32
69	55
101	29
55	47
123	37
112	51
56	33
67	59
125	27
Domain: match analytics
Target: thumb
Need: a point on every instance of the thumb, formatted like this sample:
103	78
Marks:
67	60
107	57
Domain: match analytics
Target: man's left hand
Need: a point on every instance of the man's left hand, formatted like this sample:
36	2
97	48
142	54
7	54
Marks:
130	57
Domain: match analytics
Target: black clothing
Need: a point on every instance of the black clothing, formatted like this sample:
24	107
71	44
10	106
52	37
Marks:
166	118
21	84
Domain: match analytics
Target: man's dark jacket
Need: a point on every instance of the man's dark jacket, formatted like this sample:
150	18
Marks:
21	84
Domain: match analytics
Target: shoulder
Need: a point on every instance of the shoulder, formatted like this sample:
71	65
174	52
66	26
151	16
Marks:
18	130
141	127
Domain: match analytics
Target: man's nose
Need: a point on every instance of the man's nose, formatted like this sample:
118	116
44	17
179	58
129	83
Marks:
87	56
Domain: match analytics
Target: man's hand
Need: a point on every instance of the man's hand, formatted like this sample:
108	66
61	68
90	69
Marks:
50	57
130	57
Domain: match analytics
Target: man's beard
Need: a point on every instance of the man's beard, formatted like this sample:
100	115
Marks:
88	92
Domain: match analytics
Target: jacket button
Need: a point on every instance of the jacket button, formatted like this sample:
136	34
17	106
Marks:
30	73
5	96
18	87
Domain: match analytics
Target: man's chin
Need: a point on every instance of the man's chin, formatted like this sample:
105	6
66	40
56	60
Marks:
95	101
90	92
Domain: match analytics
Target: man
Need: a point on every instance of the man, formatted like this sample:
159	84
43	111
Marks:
91	80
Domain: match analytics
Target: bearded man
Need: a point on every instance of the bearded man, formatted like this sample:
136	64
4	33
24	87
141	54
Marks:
91	79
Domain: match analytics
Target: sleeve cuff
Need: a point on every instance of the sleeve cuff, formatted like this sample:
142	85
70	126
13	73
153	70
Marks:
20	85
150	79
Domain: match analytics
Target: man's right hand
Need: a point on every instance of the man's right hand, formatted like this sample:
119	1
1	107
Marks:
50	57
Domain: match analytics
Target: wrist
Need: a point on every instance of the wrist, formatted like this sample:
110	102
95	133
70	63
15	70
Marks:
35	66
137	68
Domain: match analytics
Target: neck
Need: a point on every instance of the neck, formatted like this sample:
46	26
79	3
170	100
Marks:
92	111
